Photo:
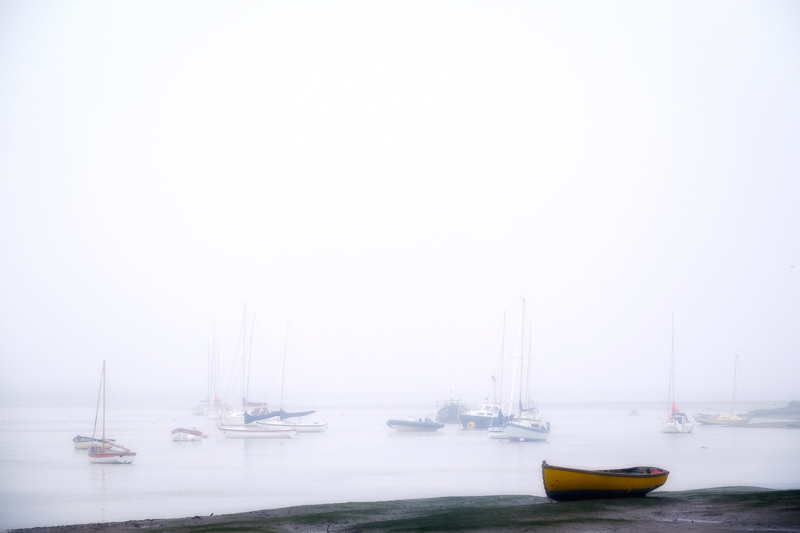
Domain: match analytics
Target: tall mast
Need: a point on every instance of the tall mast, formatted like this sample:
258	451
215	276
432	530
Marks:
244	350
502	356
521	355
735	368
672	369
104	403
283	373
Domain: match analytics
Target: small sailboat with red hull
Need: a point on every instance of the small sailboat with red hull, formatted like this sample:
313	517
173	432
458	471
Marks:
107	451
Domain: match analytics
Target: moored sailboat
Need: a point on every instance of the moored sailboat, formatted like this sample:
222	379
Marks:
107	451
527	425
677	422
724	419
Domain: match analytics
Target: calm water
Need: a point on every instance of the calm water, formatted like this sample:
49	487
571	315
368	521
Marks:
44	481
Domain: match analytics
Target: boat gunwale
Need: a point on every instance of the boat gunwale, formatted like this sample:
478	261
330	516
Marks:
613	472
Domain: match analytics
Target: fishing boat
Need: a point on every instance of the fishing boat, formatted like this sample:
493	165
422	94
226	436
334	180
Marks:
412	424
724	419
570	484
676	422
447	410
107	451
188	435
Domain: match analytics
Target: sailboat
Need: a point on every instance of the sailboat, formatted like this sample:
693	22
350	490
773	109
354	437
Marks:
528	424
108	451
677	422
724	419
278	420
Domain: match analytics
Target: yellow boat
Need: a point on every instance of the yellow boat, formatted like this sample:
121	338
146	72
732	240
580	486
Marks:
568	484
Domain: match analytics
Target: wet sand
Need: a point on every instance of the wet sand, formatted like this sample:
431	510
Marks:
712	510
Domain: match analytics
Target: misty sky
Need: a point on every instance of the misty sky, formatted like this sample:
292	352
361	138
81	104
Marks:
390	178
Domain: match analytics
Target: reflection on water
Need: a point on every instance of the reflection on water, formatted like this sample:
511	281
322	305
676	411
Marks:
357	459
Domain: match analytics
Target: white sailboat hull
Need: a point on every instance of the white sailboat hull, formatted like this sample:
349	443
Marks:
112	459
677	427
253	432
300	427
523	430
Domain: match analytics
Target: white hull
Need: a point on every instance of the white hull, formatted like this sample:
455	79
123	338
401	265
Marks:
251	432
112	459
496	433
676	427
186	437
722	420
526	431
232	419
412	429
300	427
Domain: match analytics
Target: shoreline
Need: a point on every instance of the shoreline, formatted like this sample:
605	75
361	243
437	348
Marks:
708	510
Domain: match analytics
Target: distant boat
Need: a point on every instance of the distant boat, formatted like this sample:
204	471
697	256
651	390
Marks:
677	422
188	435
256	432
299	426
722	419
415	424
634	412
448	410
570	484
527	425
107	451
83	443
485	416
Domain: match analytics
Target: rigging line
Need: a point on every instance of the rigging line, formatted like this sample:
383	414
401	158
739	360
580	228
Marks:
97	409
741	380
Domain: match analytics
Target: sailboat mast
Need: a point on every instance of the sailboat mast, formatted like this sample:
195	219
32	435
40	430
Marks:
104	402
502	357
244	350
521	355
283	372
672	369
735	368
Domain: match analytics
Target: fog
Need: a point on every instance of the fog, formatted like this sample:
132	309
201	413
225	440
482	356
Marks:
390	179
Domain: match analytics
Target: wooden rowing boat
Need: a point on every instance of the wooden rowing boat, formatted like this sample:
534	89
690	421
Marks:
569	484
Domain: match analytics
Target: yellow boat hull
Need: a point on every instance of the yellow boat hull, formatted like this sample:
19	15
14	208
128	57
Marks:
568	484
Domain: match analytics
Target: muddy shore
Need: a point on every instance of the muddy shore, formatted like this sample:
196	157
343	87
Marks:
712	510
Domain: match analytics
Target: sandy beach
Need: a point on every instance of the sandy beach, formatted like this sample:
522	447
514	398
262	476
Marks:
712	510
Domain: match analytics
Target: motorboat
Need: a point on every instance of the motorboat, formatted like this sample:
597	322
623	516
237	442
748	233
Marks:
415	424
570	484
485	416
